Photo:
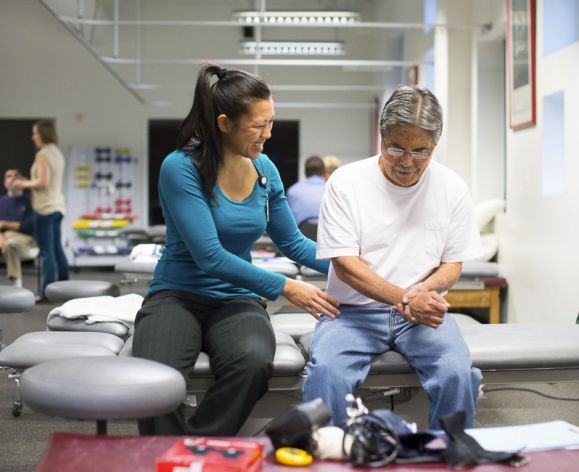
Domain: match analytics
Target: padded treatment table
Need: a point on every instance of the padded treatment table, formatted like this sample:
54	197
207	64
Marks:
284	387
34	348
134	271
288	360
58	323
279	265
64	290
14	300
151	235
480	269
298	324
103	388
505	353
293	324
311	273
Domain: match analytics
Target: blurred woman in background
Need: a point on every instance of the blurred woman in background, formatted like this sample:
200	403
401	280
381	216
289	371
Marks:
45	184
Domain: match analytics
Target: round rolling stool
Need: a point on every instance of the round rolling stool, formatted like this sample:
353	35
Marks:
15	300
103	388
60	292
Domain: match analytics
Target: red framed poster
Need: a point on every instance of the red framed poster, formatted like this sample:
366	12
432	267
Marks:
521	63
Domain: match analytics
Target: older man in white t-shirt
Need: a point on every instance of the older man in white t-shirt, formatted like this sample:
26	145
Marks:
397	228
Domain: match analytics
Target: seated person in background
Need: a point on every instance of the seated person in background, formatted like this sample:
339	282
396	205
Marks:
396	227
16	227
331	163
305	197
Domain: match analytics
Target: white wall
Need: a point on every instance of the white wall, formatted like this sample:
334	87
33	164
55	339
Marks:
488	148
488	159
539	251
453	69
340	132
453	58
401	44
46	72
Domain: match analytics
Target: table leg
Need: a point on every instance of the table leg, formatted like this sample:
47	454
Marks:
495	306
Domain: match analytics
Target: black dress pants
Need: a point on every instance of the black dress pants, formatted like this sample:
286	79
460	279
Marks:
172	327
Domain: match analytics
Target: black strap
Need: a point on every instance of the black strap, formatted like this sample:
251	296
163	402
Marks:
463	450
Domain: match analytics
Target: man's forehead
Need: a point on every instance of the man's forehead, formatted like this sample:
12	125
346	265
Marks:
407	133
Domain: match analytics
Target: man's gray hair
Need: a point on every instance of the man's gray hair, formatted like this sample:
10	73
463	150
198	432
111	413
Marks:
412	106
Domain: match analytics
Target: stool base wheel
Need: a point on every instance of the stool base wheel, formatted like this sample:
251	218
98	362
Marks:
17	409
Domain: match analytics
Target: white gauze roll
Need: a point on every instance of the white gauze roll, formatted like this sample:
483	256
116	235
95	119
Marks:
329	443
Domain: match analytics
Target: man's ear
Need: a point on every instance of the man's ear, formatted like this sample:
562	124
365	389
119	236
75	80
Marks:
224	124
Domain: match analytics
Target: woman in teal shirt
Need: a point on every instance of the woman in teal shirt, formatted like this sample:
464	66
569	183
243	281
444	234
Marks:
219	193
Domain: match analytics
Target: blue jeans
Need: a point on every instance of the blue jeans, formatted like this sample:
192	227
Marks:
343	348
54	262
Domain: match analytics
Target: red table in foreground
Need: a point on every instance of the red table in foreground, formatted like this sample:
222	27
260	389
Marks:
77	452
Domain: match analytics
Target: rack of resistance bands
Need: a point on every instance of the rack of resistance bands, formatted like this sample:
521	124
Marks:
100	204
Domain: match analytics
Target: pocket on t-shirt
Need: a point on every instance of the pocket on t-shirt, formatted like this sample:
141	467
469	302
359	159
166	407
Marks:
436	235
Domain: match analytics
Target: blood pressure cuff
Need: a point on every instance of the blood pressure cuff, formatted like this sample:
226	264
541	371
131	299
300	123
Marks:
295	428
382	437
456	447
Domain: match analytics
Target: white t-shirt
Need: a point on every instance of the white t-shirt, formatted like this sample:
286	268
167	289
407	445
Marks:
402	233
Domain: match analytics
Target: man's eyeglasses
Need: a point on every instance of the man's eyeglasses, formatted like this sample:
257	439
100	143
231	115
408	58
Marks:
398	153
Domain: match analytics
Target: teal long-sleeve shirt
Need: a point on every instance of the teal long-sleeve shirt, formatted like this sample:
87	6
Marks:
208	246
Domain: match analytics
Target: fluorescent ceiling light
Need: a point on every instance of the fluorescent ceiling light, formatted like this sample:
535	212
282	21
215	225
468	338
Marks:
293	48
288	17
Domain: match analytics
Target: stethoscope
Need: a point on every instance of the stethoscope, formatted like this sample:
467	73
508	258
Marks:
262	179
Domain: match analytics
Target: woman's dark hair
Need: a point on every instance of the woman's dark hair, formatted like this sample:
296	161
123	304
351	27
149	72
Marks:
231	95
47	131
